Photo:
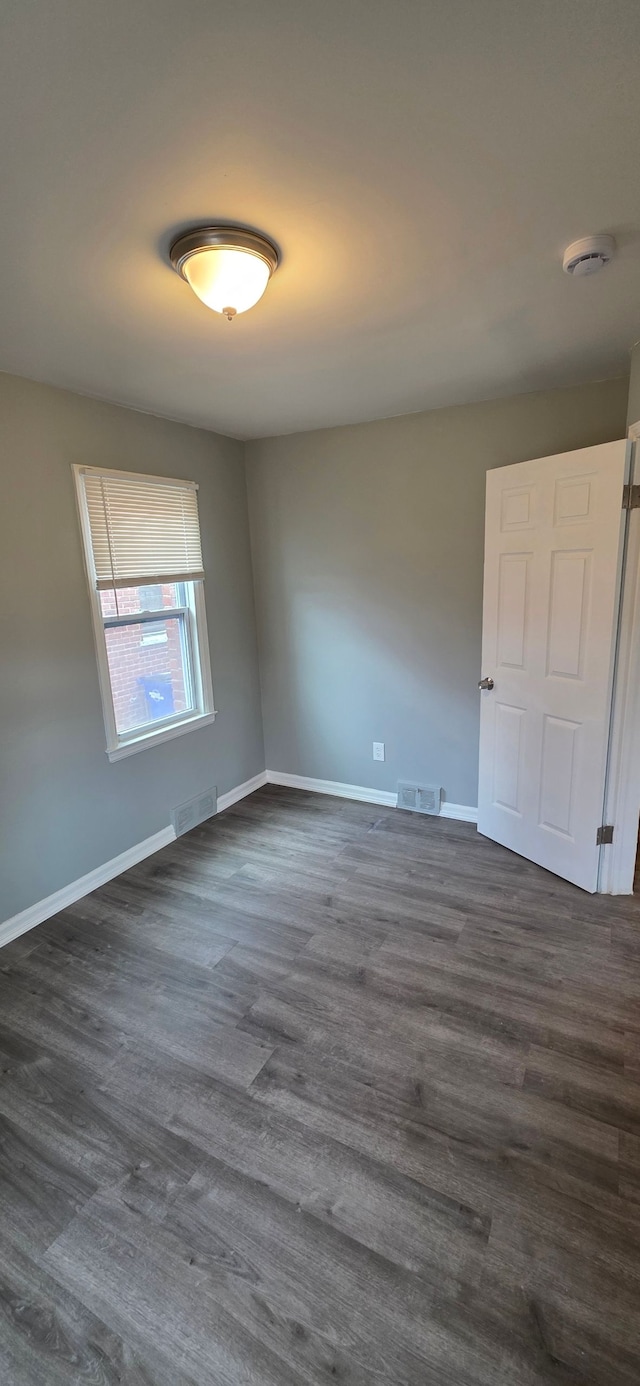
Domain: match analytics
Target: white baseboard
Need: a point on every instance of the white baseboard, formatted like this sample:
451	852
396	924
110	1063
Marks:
333	787
463	812
241	790
44	909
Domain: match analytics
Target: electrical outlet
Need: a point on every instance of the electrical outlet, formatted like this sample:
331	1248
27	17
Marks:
378	750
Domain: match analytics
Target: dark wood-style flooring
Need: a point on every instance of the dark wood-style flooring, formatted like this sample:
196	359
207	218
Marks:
323	1093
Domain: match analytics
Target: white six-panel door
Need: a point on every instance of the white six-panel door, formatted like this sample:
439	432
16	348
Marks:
551	578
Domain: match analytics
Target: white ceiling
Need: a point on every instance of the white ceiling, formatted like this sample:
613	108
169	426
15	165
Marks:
421	163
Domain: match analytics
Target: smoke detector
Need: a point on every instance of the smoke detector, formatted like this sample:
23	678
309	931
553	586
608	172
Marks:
589	255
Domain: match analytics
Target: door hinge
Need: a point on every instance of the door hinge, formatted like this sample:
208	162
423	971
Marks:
604	835
631	497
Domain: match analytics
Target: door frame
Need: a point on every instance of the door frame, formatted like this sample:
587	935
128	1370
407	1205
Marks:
622	794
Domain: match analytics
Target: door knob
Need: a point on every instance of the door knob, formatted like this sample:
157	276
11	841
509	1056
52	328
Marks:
485	683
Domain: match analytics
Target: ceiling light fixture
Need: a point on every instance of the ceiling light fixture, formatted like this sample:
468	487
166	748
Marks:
228	267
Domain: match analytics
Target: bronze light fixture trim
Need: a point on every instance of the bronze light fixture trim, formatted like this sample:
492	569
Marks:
228	267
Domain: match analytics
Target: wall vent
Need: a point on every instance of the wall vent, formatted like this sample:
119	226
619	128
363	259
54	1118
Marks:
420	798
187	816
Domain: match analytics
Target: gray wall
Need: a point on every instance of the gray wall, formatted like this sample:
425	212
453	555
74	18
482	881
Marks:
368	549
633	404
65	809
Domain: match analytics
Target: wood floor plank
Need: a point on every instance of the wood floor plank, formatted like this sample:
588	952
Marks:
40	1190
323	1092
183	1011
49	1338
630	1167
178	936
148	1289
499	1125
276	1285
92	1130
398	1217
609	1097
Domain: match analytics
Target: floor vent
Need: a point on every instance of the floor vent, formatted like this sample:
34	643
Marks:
195	811
420	798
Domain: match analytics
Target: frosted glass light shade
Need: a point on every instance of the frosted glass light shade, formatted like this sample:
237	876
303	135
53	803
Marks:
227	267
227	279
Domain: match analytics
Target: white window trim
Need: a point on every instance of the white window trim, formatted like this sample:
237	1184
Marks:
117	746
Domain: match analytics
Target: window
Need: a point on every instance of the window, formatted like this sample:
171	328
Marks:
144	564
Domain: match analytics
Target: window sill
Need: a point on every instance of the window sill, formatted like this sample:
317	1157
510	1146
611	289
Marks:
141	743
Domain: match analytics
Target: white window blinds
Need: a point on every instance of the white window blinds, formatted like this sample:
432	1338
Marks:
143	529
